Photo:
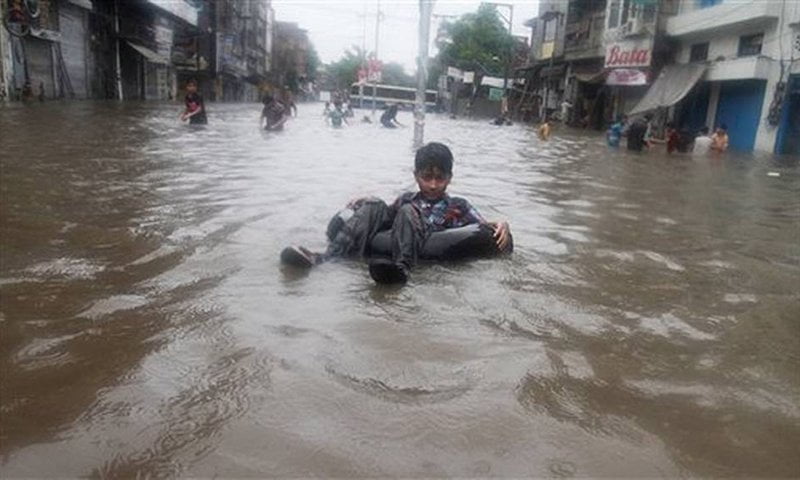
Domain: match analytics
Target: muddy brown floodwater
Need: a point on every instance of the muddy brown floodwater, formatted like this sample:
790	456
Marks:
646	325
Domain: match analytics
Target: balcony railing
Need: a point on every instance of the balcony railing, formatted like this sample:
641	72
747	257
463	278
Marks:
585	34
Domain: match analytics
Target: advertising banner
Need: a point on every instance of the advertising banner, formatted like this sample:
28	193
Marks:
626	76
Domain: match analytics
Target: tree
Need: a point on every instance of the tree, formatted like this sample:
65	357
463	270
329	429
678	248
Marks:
345	70
394	74
476	41
312	63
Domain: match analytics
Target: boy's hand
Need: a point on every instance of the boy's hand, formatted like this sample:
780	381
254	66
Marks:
502	234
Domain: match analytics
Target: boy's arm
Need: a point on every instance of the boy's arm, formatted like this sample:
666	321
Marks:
502	232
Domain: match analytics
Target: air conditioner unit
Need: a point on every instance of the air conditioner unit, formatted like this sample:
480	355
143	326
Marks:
634	26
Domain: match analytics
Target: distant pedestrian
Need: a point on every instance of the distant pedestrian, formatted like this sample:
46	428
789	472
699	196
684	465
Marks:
288	102
274	114
702	143
672	138
719	141
614	134
337	116
637	133
389	117
565	108
544	129
195	110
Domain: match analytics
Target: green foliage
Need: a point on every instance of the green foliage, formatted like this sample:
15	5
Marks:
312	63
476	41
394	74
345	70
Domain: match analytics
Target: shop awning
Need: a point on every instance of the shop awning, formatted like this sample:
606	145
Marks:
554	71
591	77
674	83
149	55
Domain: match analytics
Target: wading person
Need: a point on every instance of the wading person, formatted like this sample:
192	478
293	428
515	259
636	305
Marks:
412	218
637	133
614	134
702	143
544	129
274	114
389	118
337	116
195	110
719	141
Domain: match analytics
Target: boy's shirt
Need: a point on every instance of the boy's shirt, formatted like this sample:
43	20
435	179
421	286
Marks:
447	212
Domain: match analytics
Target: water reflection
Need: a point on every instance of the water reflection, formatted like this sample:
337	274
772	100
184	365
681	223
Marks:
644	325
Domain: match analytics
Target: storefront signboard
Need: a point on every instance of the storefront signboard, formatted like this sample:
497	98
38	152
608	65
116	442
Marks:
626	77
629	53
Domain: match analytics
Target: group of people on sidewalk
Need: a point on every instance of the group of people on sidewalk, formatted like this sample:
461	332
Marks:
639	134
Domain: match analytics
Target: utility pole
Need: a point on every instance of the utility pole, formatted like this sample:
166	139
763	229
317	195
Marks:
551	15
377	37
118	69
425	9
363	57
510	21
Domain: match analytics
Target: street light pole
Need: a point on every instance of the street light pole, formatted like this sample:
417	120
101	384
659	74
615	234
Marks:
425	9
377	37
552	15
510	21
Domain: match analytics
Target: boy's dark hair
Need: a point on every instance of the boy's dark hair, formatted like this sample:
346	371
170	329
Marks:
724	127
434	155
191	81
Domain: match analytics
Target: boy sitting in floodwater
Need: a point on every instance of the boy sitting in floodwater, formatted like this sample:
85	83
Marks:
411	218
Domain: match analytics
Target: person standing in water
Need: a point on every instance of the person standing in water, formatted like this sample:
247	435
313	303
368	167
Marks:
337	116
274	113
614	134
389	117
702	144
719	141
195	110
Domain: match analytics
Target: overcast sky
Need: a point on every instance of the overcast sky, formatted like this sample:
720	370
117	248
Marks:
334	26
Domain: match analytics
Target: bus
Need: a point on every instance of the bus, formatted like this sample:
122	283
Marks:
389	94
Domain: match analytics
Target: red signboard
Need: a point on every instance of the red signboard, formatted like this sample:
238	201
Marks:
626	54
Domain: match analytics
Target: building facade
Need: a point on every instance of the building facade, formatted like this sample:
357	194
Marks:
751	53
135	50
45	52
693	62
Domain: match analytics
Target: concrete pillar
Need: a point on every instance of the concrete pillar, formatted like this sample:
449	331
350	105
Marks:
6	62
713	101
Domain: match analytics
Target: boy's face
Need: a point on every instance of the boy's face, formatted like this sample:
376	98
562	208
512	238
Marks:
191	87
432	182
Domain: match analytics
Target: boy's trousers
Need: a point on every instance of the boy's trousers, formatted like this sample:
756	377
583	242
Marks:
409	232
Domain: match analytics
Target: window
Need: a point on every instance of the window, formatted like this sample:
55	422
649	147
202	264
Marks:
550	30
613	14
699	52
708	3
750	44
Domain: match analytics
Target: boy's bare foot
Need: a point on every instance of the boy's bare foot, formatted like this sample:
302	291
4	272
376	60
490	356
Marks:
299	257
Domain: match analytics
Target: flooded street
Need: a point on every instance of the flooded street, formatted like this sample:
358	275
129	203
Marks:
646	324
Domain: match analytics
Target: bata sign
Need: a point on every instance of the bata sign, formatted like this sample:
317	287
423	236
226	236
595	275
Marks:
628	54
